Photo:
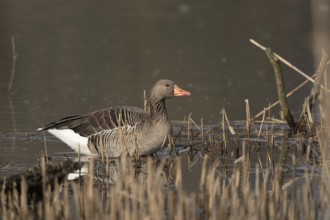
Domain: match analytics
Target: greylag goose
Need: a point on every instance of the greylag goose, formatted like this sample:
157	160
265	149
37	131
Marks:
120	129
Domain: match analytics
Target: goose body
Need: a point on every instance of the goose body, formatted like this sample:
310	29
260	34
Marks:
120	129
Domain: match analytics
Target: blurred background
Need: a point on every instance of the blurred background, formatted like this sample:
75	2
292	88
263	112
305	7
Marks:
78	56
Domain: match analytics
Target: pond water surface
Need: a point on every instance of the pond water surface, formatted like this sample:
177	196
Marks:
79	56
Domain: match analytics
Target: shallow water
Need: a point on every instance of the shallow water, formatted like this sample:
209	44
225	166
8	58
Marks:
75	57
265	145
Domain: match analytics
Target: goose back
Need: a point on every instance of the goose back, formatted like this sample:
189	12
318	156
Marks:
98	121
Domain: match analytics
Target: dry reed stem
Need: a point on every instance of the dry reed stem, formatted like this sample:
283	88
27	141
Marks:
306	121
280	89
145	100
13	68
23	199
284	61
136	200
231	129
248	115
248	122
223	129
193	122
320	73
287	95
262	122
188	130
323	136
146	196
202	133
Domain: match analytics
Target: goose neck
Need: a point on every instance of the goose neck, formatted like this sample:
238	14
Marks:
158	109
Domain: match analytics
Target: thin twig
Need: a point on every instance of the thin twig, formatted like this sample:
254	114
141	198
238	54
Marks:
231	129
288	95
248	114
223	128
284	61
262	122
13	69
189	117
145	101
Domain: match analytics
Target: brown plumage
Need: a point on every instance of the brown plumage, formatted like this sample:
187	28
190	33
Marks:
118	129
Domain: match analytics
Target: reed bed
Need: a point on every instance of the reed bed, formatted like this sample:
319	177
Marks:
248	170
152	196
231	184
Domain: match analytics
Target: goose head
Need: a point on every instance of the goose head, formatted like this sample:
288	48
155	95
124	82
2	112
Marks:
164	89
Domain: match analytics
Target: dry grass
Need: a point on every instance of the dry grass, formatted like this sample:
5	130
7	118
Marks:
150	195
154	189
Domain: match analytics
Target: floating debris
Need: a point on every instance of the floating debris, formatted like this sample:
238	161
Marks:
35	180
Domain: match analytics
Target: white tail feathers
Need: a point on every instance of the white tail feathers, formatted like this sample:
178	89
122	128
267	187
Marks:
75	141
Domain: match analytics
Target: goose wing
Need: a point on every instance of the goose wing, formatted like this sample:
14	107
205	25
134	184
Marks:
102	120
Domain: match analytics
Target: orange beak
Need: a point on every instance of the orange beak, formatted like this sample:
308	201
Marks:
180	92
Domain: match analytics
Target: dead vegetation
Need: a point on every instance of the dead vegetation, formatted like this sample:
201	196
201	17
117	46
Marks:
156	191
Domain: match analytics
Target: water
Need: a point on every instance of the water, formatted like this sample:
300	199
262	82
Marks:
75	57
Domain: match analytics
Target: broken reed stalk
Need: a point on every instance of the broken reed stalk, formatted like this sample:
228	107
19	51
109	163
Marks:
284	61
223	129
262	122
319	73
145	100
248	117
288	95
13	68
12	76
306	119
202	133
230	128
274	59
306	116
280	88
